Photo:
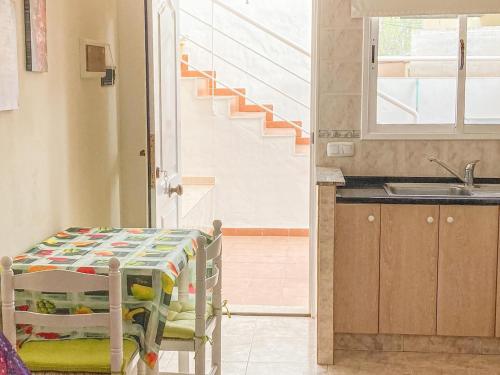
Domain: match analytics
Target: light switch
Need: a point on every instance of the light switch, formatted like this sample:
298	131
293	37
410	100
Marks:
333	149
348	149
340	149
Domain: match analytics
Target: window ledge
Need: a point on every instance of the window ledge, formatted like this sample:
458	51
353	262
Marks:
430	136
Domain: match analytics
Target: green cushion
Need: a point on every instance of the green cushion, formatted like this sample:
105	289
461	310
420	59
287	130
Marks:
81	355
181	320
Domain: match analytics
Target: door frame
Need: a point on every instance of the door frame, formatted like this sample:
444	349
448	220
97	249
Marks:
149	143
313	202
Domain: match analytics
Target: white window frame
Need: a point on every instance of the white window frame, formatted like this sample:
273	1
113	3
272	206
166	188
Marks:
371	130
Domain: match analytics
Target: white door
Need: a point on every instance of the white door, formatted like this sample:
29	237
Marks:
163	70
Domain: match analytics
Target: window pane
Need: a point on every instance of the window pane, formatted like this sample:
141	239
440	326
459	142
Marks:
417	70
482	86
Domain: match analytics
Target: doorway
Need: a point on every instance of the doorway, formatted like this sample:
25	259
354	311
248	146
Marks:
245	94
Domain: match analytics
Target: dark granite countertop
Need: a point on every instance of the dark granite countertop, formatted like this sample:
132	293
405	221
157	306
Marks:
360	189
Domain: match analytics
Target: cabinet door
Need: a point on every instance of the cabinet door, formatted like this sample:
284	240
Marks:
357	234
468	248
408	269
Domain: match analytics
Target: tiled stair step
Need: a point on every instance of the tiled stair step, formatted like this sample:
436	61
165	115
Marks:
285	125
299	140
256	108
239	99
300	149
282	132
243	115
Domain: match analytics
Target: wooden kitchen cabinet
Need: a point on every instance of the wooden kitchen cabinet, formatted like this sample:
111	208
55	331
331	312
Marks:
356	275
468	249
498	289
408	269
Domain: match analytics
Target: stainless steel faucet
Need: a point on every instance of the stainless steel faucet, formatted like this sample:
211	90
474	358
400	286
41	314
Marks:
467	179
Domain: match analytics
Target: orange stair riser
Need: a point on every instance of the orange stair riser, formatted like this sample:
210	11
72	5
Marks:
283	125
302	141
229	92
235	105
193	73
241	102
184	63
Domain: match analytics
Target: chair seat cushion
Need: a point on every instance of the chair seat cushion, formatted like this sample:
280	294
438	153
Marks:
80	355
181	320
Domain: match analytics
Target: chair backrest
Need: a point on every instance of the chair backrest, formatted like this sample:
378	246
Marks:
63	281
204	254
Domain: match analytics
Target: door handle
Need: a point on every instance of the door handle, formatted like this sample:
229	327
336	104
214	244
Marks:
462	54
179	190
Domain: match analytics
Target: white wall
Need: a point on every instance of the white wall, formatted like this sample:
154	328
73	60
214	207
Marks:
259	182
133	114
59	151
289	18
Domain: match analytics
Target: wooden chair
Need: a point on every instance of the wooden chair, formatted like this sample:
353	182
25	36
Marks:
206	329
63	281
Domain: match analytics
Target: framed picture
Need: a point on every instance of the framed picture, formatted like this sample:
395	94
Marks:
35	24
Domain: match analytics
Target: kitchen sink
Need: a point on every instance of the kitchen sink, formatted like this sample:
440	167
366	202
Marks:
426	190
442	190
486	190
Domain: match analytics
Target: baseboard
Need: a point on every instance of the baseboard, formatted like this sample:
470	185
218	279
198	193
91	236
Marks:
268	310
418	344
271	232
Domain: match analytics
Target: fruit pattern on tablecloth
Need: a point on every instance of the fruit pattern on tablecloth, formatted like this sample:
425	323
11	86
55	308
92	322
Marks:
151	260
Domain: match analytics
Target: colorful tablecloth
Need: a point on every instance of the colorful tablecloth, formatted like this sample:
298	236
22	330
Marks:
151	260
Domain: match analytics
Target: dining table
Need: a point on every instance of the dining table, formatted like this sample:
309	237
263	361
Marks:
151	261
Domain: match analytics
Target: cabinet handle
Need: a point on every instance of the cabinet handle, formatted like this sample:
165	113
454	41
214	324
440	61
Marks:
371	218
450	220
430	220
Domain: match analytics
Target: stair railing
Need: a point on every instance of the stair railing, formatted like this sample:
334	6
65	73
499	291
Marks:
262	27
216	29
241	69
398	104
237	93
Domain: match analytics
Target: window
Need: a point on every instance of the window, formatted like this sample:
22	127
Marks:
432	77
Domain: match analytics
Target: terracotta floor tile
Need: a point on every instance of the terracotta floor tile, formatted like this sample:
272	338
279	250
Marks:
266	270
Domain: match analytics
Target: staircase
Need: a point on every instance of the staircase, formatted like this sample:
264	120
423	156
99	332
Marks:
240	109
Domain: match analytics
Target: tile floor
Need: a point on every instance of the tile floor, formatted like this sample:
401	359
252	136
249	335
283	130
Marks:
253	264
286	346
